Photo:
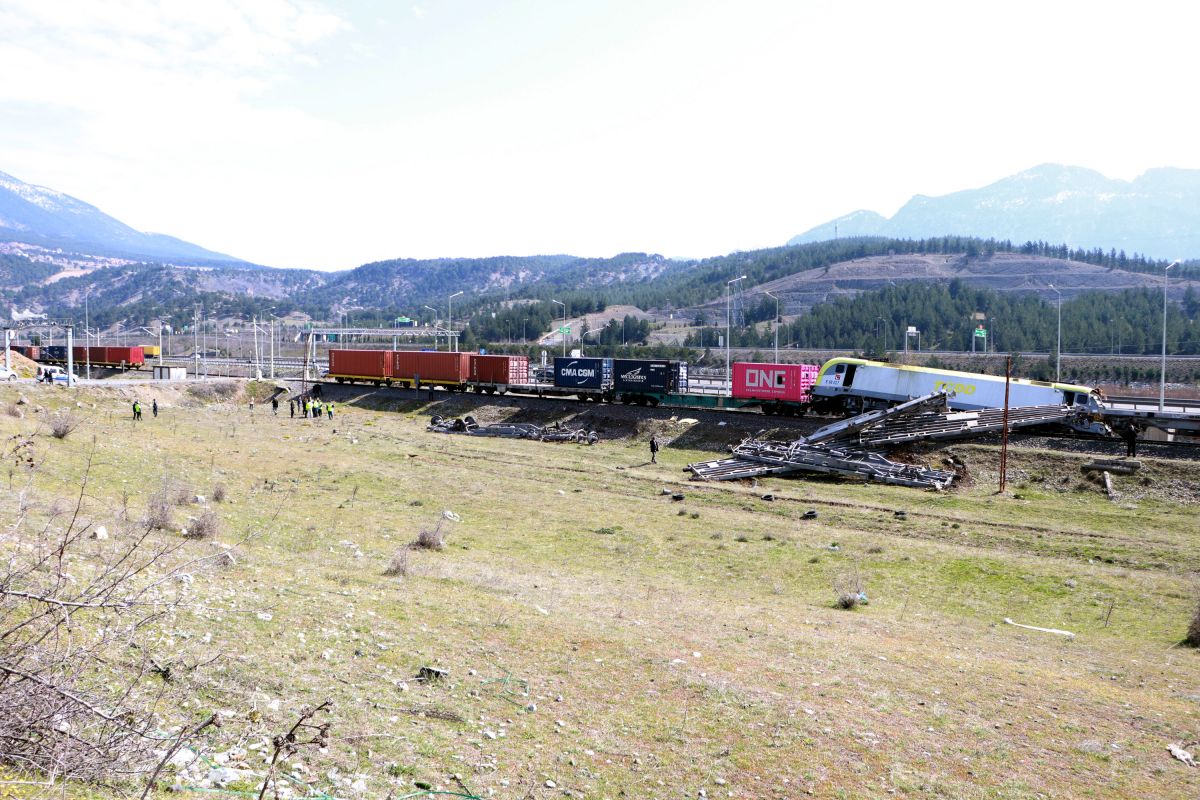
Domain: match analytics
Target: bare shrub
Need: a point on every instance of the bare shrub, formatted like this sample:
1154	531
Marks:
78	658
848	590
13	410
398	566
202	391
62	423
206	526
430	538
159	516
218	493
1193	634
180	495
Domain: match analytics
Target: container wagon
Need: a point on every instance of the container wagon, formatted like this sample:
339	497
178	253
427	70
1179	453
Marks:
647	381
493	374
775	388
417	368
124	357
54	353
367	366
587	378
32	352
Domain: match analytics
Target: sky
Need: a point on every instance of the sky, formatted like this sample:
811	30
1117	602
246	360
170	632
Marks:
298	133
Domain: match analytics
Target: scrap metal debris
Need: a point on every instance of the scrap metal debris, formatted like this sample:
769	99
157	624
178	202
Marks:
512	430
844	447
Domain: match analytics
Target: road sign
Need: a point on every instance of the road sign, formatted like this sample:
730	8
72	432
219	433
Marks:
564	329
981	333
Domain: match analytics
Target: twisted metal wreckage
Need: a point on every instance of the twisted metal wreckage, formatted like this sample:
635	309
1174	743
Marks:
846	447
512	430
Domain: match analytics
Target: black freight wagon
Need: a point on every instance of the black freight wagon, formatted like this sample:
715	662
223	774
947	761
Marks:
592	377
642	380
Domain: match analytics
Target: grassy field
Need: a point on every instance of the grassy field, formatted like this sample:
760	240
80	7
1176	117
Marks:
602	640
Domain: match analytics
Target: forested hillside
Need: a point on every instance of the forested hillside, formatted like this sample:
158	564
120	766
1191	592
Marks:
1126	322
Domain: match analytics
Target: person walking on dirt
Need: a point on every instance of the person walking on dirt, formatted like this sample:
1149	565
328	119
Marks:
653	449
275	406
154	407
329	409
292	409
137	411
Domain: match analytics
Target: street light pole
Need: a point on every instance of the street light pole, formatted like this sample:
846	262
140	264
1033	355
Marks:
728	287
563	331
1162	385
87	350
523	339
435	312
450	320
1058	347
775	325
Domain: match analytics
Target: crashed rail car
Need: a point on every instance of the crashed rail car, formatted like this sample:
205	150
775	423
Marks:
512	430
844	447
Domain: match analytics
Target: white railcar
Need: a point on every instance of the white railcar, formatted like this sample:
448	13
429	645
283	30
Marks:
857	385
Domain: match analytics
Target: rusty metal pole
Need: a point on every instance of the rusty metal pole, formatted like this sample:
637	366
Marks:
1004	431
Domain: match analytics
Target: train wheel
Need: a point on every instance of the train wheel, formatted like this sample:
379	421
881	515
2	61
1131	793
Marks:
654	402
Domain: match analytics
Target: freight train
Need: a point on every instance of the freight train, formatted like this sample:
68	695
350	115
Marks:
120	357
840	386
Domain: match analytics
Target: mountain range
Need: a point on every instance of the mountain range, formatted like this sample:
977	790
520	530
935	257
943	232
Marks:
55	251
46	218
1157	214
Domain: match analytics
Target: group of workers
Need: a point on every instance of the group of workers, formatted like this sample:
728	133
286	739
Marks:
137	409
308	407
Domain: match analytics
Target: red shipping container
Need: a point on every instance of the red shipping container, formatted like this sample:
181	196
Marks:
431	366
787	382
134	356
370	364
500	369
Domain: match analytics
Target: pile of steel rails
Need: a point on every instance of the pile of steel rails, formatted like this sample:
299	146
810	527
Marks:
512	430
848	447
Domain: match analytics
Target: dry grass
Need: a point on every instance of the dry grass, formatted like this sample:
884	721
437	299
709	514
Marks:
679	658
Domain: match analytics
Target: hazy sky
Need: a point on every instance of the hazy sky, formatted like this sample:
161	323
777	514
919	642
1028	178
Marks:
296	133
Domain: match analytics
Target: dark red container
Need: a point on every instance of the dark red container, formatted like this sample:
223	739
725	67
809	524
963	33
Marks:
362	364
129	356
453	369
110	356
785	382
29	351
500	370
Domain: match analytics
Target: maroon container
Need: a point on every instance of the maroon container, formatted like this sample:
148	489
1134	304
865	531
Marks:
130	356
362	364
500	369
431	367
787	382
